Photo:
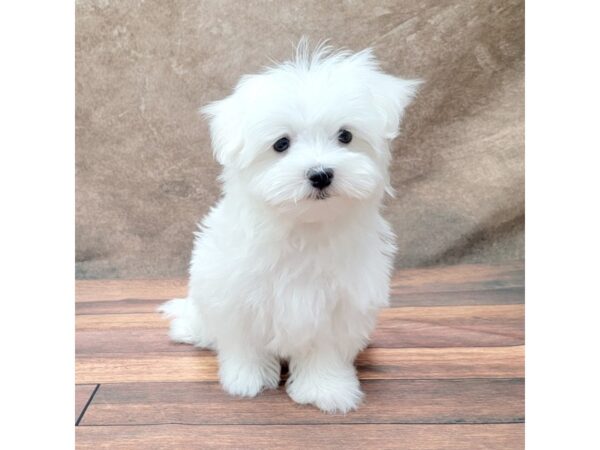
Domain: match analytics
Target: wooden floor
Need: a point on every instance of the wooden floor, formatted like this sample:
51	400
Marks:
444	371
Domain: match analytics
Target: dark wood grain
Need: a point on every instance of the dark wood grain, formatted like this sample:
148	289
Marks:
356	436
394	401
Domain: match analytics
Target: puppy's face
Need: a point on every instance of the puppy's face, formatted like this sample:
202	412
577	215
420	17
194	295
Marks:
311	134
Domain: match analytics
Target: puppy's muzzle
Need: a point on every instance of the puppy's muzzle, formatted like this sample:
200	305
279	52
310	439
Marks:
320	177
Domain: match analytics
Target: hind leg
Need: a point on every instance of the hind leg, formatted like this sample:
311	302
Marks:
186	323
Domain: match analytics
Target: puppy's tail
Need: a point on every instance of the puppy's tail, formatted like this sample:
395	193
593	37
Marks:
179	311
173	308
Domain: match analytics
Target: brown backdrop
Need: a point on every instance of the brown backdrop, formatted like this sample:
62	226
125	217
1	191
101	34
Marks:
145	174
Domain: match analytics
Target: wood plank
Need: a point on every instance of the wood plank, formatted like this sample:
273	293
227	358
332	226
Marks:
450	326
389	401
454	326
154	320
125	333
459	278
387	335
111	322
415	437
441	363
147	367
83	392
373	363
125	306
141	289
91	342
499	296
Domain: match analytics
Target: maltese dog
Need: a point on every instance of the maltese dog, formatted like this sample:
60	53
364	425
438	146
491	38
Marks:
294	262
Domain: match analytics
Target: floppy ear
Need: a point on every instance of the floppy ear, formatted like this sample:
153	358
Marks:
225	129
392	95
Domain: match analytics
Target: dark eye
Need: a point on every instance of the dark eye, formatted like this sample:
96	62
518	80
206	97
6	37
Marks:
344	136
281	145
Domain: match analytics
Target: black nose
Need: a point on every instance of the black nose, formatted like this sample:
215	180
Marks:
320	178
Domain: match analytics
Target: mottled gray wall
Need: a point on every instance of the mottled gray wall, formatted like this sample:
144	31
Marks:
145	174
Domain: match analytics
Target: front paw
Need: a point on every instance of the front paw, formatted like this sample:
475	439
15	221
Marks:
247	379
331	393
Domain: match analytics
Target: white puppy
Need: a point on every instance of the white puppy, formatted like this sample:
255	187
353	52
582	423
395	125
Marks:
294	261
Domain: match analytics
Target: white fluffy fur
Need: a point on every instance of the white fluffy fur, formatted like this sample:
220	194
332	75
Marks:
277	273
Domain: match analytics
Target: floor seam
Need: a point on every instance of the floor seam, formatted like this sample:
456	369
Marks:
87	404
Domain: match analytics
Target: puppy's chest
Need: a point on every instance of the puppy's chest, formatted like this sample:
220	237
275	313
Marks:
304	283
311	278
304	295
299	309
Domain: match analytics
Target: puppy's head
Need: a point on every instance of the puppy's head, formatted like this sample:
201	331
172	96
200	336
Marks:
313	133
